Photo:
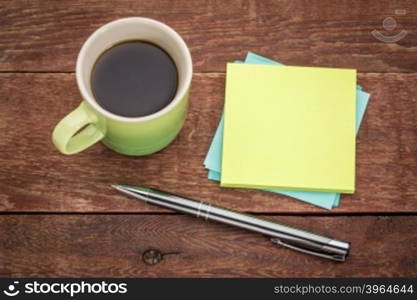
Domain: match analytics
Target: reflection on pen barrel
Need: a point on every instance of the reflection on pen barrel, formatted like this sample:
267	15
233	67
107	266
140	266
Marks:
284	235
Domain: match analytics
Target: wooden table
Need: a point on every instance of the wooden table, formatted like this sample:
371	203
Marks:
59	216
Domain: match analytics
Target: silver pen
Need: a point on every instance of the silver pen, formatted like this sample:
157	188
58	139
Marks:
284	235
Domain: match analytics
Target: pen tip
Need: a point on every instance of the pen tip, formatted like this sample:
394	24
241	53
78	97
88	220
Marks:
136	191
116	186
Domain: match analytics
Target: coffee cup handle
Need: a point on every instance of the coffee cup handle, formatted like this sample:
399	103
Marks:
77	131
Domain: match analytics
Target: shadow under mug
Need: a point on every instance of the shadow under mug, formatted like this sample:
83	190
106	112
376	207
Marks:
90	123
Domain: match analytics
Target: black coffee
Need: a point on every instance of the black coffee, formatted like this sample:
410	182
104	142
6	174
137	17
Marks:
134	79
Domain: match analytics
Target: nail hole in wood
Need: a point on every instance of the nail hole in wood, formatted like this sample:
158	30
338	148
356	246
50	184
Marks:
152	257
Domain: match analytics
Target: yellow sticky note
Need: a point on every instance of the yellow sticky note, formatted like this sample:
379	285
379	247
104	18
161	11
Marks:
289	128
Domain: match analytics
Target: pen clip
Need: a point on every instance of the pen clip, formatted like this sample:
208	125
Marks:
336	257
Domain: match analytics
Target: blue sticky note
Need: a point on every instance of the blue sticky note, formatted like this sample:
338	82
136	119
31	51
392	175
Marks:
322	199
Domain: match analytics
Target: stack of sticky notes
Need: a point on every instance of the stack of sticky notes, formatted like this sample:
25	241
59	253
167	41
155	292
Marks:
288	130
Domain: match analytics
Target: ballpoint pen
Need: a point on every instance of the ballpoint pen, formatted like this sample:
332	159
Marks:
284	235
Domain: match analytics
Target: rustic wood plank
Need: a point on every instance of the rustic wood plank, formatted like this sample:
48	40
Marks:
113	245
35	177
47	35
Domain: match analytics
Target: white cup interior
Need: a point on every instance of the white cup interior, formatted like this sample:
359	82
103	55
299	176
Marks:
133	29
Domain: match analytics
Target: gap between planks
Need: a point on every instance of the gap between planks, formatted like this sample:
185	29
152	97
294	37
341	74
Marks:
271	214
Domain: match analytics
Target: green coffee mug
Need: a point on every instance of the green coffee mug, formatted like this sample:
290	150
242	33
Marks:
90	123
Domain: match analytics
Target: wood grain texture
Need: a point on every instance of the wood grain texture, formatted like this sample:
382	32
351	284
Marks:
47	35
34	176
113	245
